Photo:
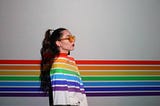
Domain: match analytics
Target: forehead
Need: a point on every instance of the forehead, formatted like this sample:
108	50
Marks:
66	33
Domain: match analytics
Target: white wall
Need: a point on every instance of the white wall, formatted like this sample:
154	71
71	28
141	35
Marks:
105	29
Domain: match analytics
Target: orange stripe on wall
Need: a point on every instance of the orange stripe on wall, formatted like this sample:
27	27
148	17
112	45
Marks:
20	67
86	67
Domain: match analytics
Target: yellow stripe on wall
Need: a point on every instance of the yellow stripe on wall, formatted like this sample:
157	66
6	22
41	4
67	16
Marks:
99	73
19	73
19	67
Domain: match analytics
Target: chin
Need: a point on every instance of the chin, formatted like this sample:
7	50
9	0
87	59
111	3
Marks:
71	49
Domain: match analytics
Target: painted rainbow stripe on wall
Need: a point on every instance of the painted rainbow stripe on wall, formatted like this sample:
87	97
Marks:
20	78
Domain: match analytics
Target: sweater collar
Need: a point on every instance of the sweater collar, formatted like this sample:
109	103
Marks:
63	54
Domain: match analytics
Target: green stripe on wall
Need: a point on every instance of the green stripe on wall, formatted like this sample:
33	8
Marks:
104	78
19	78
84	78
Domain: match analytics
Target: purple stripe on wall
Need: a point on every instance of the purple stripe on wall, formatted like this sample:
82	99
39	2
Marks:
23	94
125	94
88	94
87	89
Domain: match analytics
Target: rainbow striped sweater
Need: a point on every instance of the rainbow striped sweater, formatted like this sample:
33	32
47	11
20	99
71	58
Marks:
67	85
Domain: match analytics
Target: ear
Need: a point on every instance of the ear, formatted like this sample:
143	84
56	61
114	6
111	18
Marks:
58	43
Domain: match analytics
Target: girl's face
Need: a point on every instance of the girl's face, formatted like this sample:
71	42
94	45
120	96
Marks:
66	42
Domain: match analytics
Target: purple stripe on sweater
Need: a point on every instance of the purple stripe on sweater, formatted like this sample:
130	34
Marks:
65	88
68	83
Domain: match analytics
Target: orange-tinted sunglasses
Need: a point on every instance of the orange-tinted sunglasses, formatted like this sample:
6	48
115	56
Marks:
71	38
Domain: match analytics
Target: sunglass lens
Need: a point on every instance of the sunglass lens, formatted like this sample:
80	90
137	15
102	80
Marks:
72	38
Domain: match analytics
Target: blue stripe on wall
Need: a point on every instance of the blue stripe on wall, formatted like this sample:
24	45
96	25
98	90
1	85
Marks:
86	84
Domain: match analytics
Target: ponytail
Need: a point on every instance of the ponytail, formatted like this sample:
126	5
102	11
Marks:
48	52
46	57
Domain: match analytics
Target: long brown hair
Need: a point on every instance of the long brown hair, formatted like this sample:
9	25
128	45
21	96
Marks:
48	52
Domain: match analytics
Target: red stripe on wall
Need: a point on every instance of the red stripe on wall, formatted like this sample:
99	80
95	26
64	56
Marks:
140	62
118	62
19	61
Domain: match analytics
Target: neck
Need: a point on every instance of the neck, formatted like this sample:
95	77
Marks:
64	51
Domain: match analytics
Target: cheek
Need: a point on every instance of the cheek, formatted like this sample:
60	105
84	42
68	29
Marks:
67	45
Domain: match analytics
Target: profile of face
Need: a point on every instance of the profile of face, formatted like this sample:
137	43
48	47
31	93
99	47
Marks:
66	42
